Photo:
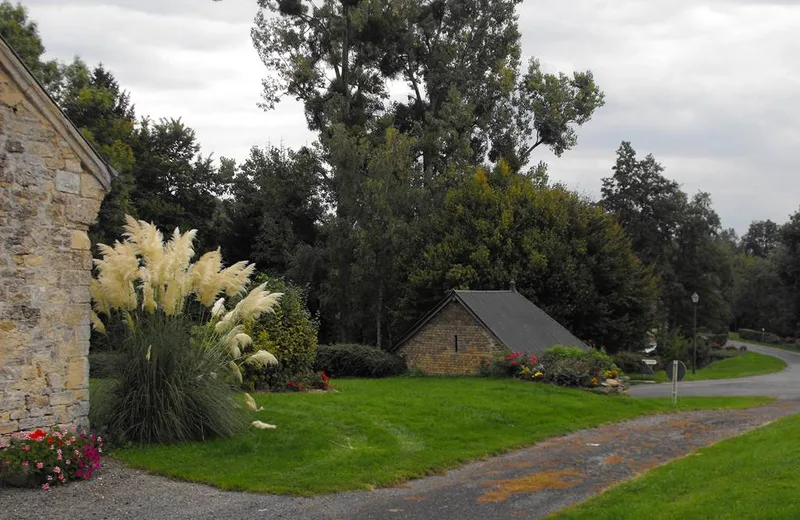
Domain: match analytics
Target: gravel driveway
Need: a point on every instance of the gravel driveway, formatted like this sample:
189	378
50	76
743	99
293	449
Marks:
784	385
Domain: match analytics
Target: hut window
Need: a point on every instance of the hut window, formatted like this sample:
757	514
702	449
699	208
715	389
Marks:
455	342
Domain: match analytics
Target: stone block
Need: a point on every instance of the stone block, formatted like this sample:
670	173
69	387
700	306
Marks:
62	398
14	146
80	294
55	381
75	277
9	427
80	240
77	373
82	210
68	182
91	187
36	401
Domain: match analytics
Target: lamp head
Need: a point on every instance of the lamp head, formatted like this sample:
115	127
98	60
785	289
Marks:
695	298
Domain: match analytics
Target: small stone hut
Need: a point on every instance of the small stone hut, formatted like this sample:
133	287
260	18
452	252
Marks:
468	327
51	185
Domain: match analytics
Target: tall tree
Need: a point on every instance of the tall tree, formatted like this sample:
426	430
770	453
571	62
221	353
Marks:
761	238
460	61
174	185
677	236
23	35
564	253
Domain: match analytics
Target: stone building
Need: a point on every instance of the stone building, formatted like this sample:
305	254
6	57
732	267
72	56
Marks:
51	186
468	327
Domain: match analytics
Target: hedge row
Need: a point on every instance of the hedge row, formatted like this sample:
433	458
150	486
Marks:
348	360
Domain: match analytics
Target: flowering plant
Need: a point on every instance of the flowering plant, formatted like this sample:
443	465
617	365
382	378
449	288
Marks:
315	380
46	458
513	365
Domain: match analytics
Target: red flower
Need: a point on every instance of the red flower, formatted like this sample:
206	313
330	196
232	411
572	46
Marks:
37	435
512	356
533	360
325	376
50	440
513	364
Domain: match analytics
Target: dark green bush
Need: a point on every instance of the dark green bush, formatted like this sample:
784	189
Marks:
573	366
716	340
290	334
677	346
104	364
347	360
631	362
170	390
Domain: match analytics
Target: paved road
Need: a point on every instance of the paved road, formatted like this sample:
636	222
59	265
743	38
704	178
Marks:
783	385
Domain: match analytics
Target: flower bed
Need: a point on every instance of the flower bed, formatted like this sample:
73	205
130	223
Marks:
46	458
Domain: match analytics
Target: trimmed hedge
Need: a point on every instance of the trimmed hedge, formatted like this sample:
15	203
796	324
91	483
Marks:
350	360
757	335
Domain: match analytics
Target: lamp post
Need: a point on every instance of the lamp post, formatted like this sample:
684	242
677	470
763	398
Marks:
695	299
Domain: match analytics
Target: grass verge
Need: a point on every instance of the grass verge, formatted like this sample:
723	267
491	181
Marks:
751	476
751	364
382	432
783	346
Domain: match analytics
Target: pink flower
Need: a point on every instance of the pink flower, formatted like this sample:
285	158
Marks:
61	477
56	470
68	462
59	455
25	464
39	465
45	486
26	448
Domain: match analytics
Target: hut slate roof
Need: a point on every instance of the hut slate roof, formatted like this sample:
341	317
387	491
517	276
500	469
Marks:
513	319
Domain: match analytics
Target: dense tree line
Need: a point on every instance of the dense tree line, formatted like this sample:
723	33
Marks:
399	201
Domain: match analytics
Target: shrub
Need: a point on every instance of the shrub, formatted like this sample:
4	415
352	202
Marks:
573	366
716	340
104	364
171	391
348	360
631	362
289	333
512	365
46	458
180	348
757	335
677	346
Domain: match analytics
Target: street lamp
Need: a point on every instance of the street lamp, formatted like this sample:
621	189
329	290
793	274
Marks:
695	299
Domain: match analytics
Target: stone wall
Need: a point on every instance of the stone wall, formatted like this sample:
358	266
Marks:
433	348
47	202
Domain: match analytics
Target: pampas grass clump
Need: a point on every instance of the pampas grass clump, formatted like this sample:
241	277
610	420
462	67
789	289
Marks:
181	348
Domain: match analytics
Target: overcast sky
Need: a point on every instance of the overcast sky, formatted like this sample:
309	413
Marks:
711	88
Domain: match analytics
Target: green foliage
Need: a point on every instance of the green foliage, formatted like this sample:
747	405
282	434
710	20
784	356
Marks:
357	361
677	236
677	346
289	333
757	335
631	362
372	433
22	34
171	390
104	364
573	366
564	253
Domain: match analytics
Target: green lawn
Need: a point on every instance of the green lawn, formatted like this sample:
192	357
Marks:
382	432
751	364
751	476
783	346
